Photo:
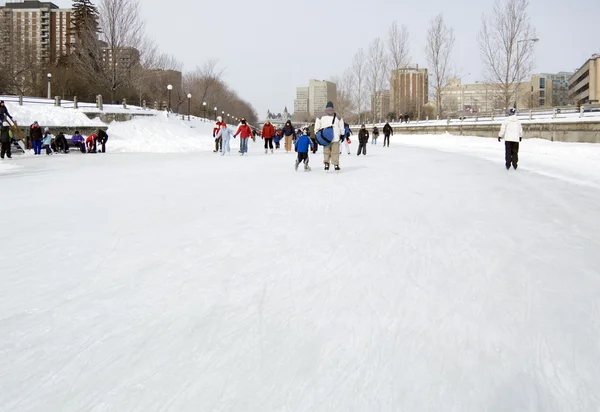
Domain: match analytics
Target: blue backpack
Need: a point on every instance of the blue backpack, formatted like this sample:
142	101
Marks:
325	136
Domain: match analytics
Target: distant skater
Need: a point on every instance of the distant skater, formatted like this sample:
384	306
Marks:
512	133
363	139
303	144
387	131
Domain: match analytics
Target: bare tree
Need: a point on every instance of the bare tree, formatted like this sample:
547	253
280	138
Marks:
123	35
499	40
344	86
440	42
359	71
376	72
398	49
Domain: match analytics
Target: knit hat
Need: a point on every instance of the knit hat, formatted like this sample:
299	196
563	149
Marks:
512	111
329	104
46	129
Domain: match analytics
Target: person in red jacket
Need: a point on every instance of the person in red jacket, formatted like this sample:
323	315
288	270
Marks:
218	140
90	142
268	132
245	133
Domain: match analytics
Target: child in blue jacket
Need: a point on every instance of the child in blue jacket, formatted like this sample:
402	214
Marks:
303	144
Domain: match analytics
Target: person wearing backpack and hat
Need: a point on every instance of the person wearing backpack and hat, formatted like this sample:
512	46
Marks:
331	149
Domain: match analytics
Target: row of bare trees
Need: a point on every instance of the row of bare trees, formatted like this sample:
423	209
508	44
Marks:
505	64
112	55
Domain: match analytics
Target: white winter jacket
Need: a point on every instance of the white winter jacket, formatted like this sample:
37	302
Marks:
325	121
511	129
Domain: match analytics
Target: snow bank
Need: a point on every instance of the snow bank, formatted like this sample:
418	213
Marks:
50	116
160	134
574	162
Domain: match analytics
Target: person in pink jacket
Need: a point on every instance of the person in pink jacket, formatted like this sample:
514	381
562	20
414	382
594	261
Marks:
245	133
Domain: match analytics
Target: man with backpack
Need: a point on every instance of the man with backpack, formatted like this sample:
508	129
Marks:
330	130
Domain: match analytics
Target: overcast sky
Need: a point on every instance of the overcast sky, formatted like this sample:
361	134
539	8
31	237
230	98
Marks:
268	47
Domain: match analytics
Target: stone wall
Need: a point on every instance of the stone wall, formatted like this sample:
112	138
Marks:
582	132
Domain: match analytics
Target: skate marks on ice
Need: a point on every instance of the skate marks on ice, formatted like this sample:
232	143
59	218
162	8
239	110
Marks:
428	281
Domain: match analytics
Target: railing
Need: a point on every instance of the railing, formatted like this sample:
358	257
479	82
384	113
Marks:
557	113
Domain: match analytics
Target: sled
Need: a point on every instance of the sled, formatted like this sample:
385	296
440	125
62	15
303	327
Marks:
17	132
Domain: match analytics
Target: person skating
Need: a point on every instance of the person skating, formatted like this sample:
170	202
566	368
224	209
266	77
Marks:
345	143
303	143
387	132
277	138
225	136
245	133
78	141
218	142
331	151
512	133
375	135
311	134
47	142
268	132
363	139
288	135
36	136
5	140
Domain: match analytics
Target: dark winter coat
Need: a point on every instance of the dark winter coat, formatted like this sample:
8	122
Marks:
4	135
376	131
102	136
387	130
363	136
35	133
4	113
288	129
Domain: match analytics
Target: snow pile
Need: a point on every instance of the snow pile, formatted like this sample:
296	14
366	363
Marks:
160	134
50	116
574	162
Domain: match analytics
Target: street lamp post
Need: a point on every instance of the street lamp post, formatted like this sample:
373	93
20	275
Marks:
204	109
49	86
169	88
215	112
189	96
462	92
534	40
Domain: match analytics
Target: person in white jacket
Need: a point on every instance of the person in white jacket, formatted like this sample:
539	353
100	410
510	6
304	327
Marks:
512	133
331	153
225	135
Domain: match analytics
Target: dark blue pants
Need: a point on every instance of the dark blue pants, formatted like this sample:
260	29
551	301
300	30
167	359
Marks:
37	147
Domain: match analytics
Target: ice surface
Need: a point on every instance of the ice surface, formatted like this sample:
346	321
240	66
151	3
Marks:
414	280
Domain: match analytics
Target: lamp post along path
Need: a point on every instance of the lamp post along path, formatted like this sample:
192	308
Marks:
49	75
189	96
169	88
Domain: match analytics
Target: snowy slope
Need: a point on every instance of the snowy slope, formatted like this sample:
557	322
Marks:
160	134
51	116
414	280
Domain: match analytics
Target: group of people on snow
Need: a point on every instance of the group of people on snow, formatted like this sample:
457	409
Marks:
38	139
45	140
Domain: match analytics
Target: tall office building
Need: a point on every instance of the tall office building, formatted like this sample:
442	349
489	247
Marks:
409	89
319	93
40	28
301	101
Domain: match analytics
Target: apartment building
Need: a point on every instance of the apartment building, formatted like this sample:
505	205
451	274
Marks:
584	85
41	28
319	93
301	101
409	89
